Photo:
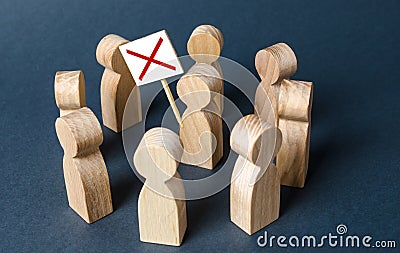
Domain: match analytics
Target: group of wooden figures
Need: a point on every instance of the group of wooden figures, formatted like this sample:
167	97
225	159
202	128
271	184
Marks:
280	127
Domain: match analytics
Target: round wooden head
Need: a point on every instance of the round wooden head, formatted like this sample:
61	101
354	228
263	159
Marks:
205	44
108	54
276	62
255	140
158	154
199	85
69	90
79	132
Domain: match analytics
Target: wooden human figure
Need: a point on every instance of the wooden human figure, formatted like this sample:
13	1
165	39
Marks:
162	217
85	173
273	64
255	187
291	108
69	91
294	110
201	89
117	85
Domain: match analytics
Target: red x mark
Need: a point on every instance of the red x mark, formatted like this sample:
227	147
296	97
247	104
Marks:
151	59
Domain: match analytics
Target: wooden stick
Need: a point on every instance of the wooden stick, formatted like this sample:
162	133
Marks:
171	101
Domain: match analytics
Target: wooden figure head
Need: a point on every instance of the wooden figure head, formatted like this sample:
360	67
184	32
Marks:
158	154
79	132
255	140
199	86
69	90
275	63
108	54
205	44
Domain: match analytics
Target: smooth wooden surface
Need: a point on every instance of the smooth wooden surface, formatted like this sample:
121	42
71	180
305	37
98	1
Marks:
202	138
275	63
162	218
288	103
295	102
202	89
79	132
255	187
266	103
171	101
205	44
198	87
69	91
116	85
255	139
85	173
201	134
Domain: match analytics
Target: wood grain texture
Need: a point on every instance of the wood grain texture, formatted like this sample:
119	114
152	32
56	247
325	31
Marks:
255	187
79	132
116	85
88	186
295	104
256	140
292	160
205	44
295	100
275	63
266	103
202	138
254	206
162	218
69	91
198	87
85	173
201	133
219	96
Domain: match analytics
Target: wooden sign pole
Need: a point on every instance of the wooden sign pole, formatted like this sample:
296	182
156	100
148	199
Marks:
171	101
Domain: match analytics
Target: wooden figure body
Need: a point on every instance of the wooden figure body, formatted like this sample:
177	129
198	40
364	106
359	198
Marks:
69	91
85	173
201	133
291	106
255	187
116	84
162	217
201	89
295	101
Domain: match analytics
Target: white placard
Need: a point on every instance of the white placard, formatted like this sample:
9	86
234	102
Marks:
151	58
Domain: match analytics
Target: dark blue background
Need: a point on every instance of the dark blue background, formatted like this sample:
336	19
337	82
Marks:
350	49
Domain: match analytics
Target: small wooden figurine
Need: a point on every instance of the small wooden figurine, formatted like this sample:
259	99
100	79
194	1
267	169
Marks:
162	217
201	89
255	187
295	101
291	108
116	85
201	133
85	172
69	91
273	64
